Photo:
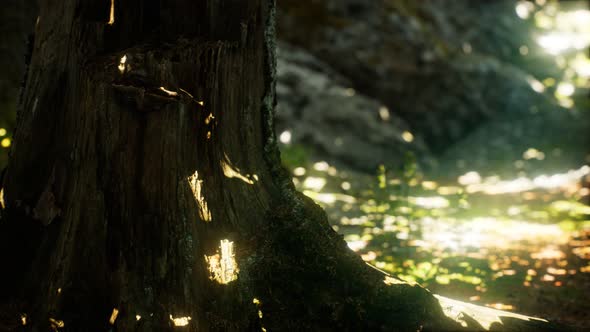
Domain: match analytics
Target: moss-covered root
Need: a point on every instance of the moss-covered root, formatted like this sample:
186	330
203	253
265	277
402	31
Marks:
306	279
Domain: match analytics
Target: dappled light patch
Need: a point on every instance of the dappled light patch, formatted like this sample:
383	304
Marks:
429	185
536	85
384	113
222	266
5	142
350	92
523	9
180	321
345	185
56	324
464	313
122	64
496	186
488	232
299	171
556	271
500	306
581	64
533	153
196	186
549	252
434	202
355	243
114	316
408	136
449	190
285	137
565	89
329	198
392	281
314	183
321	166
258	305
565	29
582	252
231	172
169	92
572	209
564	93
369	256
209	119
112	13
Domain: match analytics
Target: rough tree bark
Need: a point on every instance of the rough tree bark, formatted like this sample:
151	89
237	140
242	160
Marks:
144	146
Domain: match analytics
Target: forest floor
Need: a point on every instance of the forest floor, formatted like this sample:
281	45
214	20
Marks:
520	245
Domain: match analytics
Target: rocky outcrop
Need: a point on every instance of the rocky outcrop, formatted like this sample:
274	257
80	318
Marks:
435	67
544	141
317	108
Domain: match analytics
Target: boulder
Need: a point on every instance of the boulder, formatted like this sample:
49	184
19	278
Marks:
317	108
445	67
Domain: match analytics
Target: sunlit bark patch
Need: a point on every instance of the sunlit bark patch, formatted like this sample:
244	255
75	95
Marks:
114	315
232	172
169	92
197	188
259	307
112	13
258	304
122	64
223	267
392	281
56	324
180	321
209	118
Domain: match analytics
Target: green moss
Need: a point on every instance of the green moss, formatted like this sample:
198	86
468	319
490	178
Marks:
295	155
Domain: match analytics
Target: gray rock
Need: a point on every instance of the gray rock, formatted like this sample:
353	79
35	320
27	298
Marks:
443	66
497	147
316	105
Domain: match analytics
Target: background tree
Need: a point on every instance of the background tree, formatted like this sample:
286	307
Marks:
145	190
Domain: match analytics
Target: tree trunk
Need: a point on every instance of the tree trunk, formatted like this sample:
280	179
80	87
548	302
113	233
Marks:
144	190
